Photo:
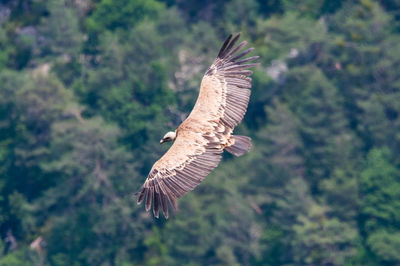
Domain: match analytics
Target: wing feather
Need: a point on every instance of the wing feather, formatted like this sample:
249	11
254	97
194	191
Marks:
157	196
189	160
224	94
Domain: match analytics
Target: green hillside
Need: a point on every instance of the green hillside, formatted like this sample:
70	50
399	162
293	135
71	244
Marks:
89	87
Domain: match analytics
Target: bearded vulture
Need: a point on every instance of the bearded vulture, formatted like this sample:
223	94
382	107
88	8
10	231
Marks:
207	131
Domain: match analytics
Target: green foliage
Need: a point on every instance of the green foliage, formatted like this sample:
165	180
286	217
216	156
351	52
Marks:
323	127
386	245
321	239
156	249
4	49
129	84
111	15
308	8
240	14
87	88
379	187
119	15
12	260
196	11
61	31
341	193
277	36
100	176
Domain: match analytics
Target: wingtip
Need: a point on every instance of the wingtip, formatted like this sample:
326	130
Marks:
140	195
228	48
221	51
229	42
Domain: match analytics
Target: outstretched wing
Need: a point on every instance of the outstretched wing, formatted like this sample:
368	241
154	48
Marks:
201	138
224	92
189	160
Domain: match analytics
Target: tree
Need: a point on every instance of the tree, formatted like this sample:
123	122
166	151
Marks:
379	186
29	106
361	65
95	182
322	124
323	240
60	31
118	16
5	49
129	84
88	87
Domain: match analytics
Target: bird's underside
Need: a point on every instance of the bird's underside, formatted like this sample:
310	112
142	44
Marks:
206	133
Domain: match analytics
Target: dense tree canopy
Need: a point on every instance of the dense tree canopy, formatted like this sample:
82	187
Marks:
88	87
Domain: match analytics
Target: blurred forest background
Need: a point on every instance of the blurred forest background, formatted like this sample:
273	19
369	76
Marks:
89	87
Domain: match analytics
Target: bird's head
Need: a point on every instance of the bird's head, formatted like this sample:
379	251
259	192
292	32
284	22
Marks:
170	136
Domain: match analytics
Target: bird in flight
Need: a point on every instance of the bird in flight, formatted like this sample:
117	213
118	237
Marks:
200	140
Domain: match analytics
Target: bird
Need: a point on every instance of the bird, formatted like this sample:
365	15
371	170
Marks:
201	138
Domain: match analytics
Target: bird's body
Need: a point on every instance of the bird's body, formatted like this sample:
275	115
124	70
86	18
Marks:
206	133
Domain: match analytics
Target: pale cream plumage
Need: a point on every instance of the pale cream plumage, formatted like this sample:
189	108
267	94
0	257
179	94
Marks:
206	133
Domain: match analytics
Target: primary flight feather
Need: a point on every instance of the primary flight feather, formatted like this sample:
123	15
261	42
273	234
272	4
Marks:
206	133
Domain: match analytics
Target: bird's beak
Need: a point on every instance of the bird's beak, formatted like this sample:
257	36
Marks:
162	141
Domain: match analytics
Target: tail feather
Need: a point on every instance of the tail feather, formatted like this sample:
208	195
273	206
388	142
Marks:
241	145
